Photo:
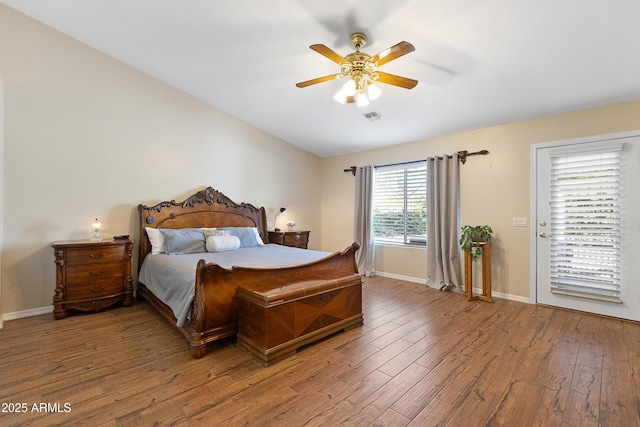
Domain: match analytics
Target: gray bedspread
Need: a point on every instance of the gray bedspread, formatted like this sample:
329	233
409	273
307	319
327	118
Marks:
171	278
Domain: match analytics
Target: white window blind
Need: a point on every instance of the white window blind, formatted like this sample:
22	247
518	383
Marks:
400	204
585	221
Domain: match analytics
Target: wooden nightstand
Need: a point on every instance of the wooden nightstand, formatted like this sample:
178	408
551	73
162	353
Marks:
92	275
295	239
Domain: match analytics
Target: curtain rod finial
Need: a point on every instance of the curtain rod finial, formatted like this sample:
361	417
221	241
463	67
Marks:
464	154
352	169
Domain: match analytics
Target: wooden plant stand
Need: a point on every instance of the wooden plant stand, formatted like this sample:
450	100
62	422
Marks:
486	273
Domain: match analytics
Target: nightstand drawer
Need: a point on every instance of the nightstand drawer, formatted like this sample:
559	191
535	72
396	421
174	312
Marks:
93	290
94	255
295	239
95	272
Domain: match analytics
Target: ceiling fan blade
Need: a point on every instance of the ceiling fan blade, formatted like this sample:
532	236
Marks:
325	51
392	79
319	80
394	52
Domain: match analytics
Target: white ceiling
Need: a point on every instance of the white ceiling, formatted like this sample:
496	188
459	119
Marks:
479	63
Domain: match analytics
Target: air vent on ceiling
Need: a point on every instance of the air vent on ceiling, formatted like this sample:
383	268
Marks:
373	116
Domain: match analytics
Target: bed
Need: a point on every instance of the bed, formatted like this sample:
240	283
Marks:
212	311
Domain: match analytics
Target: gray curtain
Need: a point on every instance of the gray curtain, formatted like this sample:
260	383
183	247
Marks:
443	263
363	230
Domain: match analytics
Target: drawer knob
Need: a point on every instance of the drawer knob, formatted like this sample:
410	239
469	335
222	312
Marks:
97	291
93	273
94	256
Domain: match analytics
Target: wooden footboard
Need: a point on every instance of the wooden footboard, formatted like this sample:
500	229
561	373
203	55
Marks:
214	312
215	305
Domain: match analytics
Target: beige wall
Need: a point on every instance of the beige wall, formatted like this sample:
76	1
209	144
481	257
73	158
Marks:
494	188
87	136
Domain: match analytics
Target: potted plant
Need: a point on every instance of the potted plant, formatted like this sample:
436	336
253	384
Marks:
473	234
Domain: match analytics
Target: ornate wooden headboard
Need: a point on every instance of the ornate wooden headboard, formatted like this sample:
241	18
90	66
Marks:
206	208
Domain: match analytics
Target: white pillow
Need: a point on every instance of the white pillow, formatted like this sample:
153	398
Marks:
222	243
156	238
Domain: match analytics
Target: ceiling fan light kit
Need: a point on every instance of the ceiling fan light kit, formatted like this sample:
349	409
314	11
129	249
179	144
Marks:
362	71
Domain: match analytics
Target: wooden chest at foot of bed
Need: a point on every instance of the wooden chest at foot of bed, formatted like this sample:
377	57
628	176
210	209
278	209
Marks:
277	318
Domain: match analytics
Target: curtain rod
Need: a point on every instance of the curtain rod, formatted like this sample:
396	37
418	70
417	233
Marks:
462	155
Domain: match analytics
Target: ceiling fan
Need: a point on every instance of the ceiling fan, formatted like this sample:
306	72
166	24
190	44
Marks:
362	70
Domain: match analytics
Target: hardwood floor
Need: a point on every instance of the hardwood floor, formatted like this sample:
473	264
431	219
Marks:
422	358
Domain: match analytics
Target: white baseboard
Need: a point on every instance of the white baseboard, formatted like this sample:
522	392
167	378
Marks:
401	277
26	313
477	291
49	309
510	297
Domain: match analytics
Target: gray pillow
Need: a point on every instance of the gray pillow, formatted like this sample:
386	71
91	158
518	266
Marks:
247	235
184	240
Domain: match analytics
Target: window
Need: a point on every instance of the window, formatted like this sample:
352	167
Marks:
400	204
585	223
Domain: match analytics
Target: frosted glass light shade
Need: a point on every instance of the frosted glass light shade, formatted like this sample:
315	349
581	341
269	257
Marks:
363	101
373	91
349	87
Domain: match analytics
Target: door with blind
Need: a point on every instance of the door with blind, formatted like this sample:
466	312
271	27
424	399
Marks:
586	219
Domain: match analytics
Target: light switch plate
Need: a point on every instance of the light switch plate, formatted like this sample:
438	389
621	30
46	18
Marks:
520	222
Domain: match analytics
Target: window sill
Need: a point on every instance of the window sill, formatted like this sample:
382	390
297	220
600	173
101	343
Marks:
401	245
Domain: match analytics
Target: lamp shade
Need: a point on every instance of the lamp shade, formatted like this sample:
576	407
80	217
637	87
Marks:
349	87
373	91
363	101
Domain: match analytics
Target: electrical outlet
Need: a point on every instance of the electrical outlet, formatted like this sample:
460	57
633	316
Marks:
520	222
